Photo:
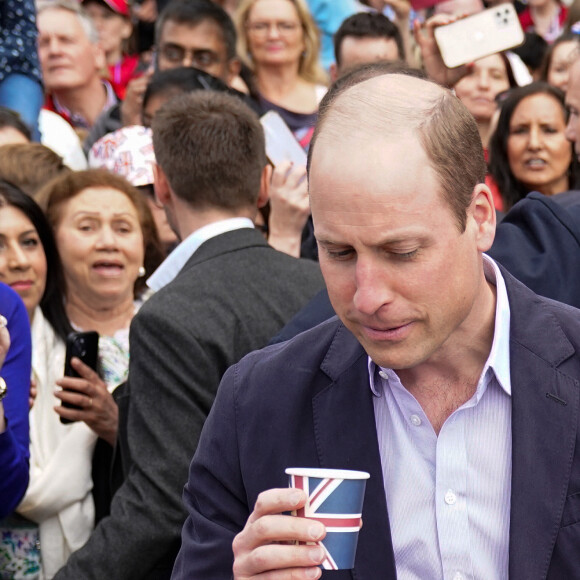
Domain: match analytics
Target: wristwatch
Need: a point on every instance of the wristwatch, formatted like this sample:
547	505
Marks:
3	388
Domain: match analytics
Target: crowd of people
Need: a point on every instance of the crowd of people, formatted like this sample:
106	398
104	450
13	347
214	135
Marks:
416	280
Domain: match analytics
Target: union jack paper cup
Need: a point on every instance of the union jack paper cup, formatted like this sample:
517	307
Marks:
335	498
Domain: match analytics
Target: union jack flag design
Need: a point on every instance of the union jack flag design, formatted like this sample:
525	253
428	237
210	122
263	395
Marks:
336	503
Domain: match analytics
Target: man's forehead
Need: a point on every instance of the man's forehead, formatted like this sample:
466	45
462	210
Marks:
192	33
57	13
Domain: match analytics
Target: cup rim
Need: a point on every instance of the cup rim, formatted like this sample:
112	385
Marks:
320	472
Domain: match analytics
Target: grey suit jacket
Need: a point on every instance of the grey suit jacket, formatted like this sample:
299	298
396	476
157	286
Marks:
230	298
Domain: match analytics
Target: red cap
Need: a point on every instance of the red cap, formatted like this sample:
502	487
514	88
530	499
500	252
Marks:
119	6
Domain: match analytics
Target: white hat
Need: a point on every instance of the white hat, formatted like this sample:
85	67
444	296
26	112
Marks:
127	152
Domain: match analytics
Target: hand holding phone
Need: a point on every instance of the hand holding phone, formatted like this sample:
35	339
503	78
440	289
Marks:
84	346
482	34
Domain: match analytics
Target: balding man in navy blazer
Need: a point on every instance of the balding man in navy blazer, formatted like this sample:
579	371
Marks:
452	384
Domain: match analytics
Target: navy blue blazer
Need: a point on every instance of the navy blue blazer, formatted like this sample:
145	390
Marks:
307	402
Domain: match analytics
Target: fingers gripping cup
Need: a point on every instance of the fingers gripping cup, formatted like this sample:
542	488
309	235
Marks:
335	498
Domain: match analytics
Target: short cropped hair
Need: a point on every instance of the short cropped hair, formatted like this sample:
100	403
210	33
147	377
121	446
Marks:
30	165
64	188
193	12
367	25
76	9
210	146
309	66
444	127
181	80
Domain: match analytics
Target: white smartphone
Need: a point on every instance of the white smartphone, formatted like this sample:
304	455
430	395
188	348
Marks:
479	35
281	145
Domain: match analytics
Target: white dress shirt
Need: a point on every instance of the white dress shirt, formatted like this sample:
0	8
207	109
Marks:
173	264
448	496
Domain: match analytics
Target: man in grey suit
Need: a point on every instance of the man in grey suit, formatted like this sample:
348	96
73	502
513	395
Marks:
222	293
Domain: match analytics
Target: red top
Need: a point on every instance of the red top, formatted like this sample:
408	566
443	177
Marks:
121	73
528	25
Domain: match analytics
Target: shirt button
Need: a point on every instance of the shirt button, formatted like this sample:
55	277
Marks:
458	576
416	420
450	497
383	375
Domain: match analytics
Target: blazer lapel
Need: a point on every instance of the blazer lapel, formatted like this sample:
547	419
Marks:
346	438
545	404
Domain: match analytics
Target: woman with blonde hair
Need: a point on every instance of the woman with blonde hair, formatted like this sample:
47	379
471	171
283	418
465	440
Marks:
280	43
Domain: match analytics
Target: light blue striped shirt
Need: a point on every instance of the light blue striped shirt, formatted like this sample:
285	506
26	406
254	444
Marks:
448	496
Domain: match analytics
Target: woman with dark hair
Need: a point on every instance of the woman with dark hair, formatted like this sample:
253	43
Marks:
529	150
108	216
27	255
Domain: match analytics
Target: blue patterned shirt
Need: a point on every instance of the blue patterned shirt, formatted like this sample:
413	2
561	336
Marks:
18	36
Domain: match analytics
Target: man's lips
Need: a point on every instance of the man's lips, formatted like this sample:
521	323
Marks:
394	332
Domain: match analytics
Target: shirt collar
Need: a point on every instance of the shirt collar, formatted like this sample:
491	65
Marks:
76	119
173	264
499	356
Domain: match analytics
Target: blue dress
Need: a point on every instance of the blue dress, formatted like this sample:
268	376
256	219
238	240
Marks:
14	442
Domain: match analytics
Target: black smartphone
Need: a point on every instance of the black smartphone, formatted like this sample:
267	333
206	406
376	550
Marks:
83	345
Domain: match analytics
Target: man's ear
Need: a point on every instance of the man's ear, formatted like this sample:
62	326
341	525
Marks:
483	212
161	186
265	180
234	68
333	72
100	57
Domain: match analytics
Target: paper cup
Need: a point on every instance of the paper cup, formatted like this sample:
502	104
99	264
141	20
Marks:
335	498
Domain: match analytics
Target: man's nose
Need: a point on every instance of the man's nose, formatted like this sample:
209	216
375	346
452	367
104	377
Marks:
187	60
54	45
373	287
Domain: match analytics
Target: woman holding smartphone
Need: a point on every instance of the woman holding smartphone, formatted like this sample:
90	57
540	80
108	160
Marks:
59	503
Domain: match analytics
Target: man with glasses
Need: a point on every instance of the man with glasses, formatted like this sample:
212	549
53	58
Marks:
197	33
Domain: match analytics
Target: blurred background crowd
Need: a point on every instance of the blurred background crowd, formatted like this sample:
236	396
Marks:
81	226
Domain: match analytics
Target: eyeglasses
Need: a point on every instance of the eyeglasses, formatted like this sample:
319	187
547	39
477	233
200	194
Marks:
199	58
263	28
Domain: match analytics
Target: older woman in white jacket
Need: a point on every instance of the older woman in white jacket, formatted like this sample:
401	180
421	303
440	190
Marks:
59	498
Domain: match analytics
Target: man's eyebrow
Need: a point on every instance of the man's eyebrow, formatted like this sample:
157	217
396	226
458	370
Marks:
387	241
